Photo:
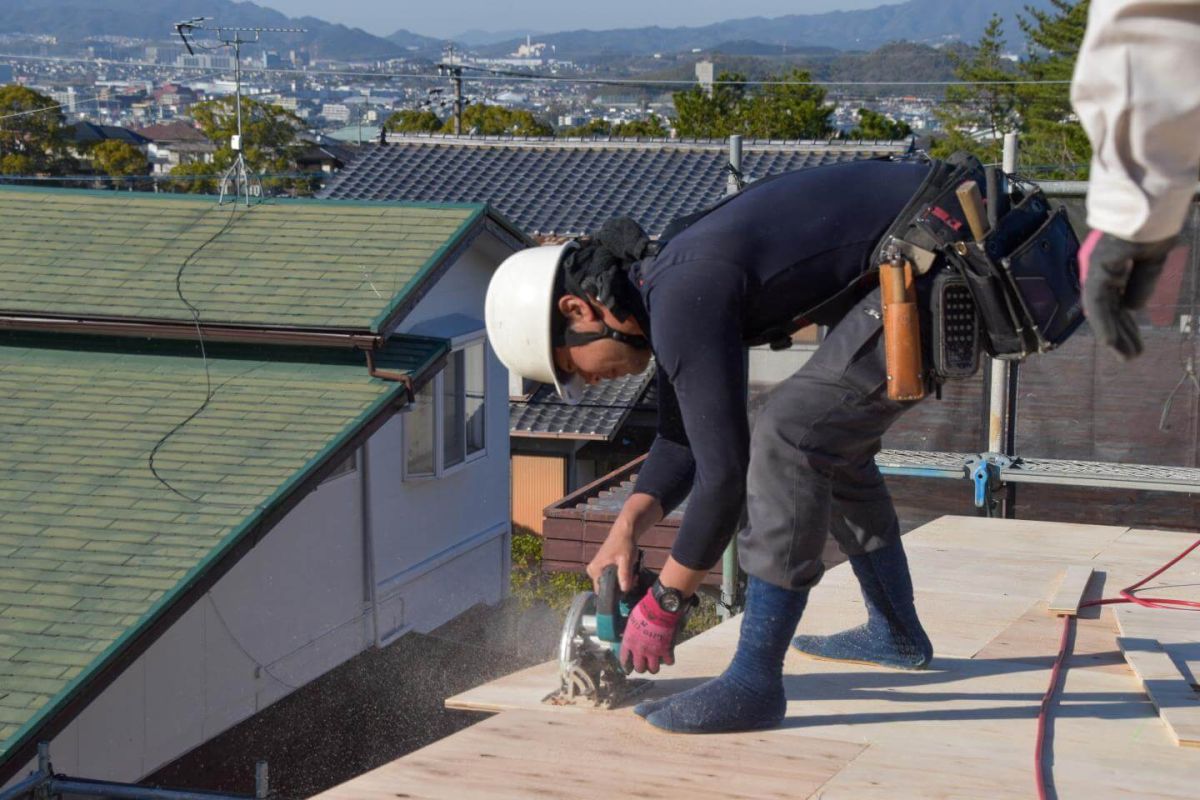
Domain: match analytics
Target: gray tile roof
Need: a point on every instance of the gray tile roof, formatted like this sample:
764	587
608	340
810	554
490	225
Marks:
572	186
611	498
598	416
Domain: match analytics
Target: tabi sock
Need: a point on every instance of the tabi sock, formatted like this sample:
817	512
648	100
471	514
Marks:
749	694
893	635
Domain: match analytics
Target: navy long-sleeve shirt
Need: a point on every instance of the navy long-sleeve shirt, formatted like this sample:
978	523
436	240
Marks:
754	263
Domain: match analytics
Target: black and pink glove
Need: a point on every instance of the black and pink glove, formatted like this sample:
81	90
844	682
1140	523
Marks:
649	638
1118	278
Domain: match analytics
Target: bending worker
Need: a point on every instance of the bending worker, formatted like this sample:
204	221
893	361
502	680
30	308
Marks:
1136	90
594	310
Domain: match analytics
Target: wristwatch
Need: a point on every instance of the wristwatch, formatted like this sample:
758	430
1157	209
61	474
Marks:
670	600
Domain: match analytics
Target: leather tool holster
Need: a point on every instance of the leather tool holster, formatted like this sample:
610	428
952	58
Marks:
901	330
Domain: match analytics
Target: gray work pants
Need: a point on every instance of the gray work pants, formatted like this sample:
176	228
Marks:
812	468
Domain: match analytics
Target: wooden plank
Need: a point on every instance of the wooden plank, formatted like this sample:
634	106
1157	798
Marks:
523	754
1070	591
1178	703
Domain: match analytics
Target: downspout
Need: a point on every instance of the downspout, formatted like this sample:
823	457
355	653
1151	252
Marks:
389	375
368	536
368	527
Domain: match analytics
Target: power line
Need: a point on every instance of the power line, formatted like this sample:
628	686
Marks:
498	75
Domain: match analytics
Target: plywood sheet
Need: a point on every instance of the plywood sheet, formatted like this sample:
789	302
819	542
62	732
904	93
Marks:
1034	638
963	728
1177	701
524	754
1055	541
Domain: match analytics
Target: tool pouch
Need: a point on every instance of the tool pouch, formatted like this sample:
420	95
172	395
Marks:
1024	279
901	332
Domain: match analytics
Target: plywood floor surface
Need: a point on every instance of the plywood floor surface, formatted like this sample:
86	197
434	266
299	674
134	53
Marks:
965	728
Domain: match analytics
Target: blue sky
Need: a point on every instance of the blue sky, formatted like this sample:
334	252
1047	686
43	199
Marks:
381	17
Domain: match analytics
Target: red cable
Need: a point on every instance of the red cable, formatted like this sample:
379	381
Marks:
1047	699
1126	596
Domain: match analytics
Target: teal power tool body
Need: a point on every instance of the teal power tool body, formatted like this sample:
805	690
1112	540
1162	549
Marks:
589	652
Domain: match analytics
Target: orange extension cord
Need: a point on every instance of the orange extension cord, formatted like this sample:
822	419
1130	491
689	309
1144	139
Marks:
1064	651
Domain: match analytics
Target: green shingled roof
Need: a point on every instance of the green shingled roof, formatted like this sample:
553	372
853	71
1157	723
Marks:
294	263
92	545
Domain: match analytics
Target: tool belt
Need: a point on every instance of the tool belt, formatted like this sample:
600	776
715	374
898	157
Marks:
1013	292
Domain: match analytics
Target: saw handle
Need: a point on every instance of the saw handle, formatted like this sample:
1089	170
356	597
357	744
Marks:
614	606
608	600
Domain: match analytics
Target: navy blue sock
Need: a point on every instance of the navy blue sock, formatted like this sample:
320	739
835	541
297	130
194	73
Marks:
893	635
749	694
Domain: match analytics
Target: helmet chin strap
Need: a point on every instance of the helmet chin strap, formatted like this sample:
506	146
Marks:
573	338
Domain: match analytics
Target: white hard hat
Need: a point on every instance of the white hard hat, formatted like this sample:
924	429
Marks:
519	313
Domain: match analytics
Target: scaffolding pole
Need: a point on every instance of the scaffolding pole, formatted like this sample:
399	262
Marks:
730	601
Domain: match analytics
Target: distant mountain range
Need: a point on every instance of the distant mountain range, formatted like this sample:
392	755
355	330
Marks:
76	20
924	21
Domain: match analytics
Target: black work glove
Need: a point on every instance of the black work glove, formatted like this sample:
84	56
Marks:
1119	277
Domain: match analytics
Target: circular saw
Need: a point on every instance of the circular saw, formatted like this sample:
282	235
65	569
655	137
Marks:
589	665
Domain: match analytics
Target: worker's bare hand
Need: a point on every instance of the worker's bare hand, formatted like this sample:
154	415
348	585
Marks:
619	548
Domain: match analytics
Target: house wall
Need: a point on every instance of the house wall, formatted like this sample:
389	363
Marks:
537	481
300	602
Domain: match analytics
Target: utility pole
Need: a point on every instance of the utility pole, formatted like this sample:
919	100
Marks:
231	38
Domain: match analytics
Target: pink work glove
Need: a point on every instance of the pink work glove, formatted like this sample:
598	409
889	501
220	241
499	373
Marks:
649	637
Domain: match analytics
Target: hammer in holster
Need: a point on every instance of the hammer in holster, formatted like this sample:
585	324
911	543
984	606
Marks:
901	329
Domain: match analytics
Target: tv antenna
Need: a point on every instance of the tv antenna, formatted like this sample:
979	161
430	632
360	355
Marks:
244	183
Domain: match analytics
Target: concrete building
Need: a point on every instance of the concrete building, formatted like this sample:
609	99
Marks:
179	555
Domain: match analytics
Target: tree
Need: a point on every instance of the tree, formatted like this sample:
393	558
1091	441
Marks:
269	143
411	120
790	107
787	107
1050	133
873	125
1052	140
33	136
978	115
489	120
119	159
651	127
715	114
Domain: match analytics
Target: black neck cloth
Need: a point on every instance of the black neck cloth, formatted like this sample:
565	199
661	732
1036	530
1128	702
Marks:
598	270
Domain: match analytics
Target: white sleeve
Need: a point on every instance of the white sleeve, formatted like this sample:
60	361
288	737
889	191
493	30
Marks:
1136	90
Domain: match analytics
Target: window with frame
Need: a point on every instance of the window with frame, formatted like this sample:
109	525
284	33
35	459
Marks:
445	427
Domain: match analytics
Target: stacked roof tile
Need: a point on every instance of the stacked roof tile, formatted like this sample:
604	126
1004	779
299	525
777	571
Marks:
567	187
599	414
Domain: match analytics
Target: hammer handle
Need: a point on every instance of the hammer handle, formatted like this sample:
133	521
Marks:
972	205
